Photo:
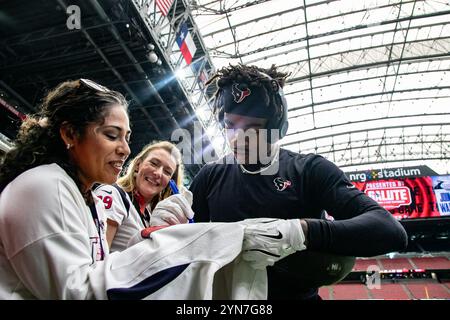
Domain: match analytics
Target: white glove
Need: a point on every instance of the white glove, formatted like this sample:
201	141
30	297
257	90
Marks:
187	194
172	210
267	240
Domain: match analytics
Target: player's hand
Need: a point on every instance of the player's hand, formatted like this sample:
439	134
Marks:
172	210
268	240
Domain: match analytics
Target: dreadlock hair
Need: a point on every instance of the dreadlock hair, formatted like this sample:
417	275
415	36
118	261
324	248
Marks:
73	103
253	76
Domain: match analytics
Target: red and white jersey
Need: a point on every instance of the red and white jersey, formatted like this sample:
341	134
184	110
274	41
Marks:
129	221
50	246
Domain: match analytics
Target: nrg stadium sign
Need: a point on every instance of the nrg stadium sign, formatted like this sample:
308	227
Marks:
390	173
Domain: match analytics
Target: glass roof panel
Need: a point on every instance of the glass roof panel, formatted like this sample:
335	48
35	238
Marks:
369	81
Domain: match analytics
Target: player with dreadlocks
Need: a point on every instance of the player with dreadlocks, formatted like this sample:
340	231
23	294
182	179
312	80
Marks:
326	219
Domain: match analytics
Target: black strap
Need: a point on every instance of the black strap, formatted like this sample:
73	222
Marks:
145	216
123	195
97	225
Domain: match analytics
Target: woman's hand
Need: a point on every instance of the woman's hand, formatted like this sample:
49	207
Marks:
172	210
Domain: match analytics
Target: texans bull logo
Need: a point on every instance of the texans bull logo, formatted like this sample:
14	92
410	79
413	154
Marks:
281	184
238	94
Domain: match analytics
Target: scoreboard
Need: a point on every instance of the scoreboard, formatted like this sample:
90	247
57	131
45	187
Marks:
408	193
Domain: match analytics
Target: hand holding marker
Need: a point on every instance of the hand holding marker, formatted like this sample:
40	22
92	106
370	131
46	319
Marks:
174	188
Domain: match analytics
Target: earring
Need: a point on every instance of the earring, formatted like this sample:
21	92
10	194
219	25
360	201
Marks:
68	146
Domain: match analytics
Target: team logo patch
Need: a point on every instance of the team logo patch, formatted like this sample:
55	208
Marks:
281	184
238	94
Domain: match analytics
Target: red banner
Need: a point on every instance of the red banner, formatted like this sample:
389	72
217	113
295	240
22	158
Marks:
419	197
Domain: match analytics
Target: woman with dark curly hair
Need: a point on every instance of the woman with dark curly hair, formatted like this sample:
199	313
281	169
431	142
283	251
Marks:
79	137
55	133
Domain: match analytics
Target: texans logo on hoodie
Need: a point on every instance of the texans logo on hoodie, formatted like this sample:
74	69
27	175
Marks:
238	94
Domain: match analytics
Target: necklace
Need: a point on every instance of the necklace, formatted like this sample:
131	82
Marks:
272	162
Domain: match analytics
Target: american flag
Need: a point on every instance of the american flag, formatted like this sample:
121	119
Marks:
164	6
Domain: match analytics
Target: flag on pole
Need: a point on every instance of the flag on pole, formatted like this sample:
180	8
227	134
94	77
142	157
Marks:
199	69
186	43
164	6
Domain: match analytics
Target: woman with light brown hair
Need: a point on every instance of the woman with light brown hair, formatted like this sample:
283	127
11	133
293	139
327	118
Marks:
144	197
51	231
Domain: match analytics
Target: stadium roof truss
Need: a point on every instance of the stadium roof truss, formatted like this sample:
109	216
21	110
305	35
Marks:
369	82
127	45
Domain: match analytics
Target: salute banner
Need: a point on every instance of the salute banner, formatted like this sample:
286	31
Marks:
407	192
412	197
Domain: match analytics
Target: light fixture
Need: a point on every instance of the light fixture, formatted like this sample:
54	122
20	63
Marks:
152	57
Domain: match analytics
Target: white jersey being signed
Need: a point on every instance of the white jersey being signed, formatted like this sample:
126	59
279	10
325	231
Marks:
50	249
